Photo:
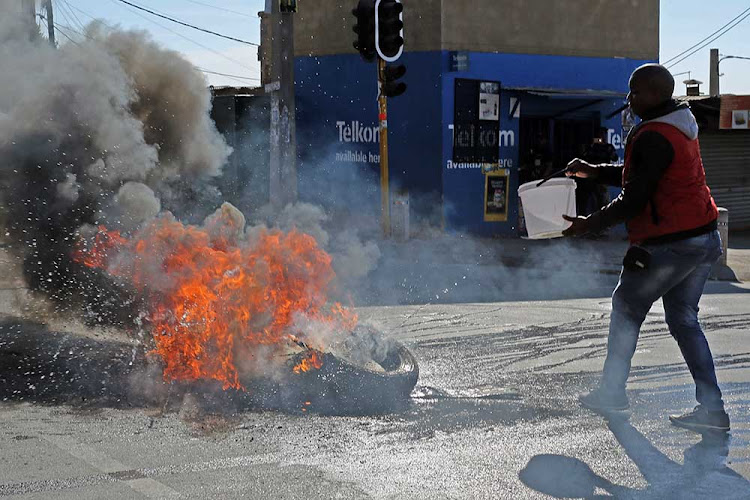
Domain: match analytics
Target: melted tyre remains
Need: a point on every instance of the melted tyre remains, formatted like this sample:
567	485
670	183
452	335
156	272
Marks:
367	372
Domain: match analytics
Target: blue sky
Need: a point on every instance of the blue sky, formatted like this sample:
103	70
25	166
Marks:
683	23
686	22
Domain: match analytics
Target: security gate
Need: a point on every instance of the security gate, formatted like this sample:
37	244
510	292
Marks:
726	157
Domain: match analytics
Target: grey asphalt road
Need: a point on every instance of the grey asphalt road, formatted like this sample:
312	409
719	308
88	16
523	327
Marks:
494	415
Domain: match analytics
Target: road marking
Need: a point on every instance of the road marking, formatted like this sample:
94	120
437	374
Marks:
148	487
152	488
135	477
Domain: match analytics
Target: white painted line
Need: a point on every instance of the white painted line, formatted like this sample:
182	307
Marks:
152	488
92	457
148	487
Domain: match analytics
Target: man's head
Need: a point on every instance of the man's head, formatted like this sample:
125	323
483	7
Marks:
650	86
601	134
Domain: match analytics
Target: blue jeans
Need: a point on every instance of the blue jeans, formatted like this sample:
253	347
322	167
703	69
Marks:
677	274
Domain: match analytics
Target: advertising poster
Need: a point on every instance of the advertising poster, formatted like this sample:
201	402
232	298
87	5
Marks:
489	101
739	119
476	122
496	196
735	112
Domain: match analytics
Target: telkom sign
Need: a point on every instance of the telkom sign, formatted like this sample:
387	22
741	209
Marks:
615	139
357	132
473	136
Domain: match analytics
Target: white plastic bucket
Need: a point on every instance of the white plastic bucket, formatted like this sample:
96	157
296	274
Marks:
544	206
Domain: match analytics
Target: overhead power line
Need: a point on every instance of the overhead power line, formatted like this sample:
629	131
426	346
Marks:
69	29
59	30
712	40
56	26
60	27
736	57
234	77
235	61
66	11
187	24
664	63
222	8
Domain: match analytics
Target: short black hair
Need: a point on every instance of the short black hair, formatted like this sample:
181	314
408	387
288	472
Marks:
657	78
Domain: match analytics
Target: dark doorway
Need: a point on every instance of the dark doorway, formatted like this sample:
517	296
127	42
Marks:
547	144
572	137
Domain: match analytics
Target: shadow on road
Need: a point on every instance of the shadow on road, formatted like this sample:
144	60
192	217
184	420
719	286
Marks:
43	366
703	474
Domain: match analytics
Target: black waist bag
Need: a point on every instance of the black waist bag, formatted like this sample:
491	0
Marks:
637	259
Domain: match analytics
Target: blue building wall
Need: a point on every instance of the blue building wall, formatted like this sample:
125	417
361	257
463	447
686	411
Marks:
339	160
336	97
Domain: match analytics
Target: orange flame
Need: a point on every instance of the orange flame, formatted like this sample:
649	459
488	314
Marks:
311	361
96	254
213	299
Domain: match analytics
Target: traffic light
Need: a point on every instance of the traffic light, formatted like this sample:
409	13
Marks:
389	25
365	29
392	87
287	6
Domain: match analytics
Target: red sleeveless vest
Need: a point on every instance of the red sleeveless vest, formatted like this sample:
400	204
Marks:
682	200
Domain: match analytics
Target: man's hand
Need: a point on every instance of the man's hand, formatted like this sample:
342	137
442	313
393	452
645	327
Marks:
579	228
582	169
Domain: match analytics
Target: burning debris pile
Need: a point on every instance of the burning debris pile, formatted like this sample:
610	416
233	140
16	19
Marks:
217	297
107	154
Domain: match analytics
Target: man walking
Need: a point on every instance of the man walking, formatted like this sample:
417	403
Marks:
671	221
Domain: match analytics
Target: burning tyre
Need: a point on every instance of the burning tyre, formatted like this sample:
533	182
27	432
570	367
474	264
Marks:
367	371
222	307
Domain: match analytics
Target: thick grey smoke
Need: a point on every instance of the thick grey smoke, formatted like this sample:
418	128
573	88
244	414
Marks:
136	204
113	130
354	257
68	189
109	129
306	218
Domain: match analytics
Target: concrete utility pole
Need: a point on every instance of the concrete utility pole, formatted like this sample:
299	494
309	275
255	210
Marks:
283	164
713	79
28	9
50	22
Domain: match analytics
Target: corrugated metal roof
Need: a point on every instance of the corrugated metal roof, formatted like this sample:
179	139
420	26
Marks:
693	97
236	91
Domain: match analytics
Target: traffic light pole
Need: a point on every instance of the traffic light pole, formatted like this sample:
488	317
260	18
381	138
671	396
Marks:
384	175
380	32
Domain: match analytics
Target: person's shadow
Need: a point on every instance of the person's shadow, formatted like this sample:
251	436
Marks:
704	473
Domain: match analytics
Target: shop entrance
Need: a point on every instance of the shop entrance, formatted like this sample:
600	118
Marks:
547	144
